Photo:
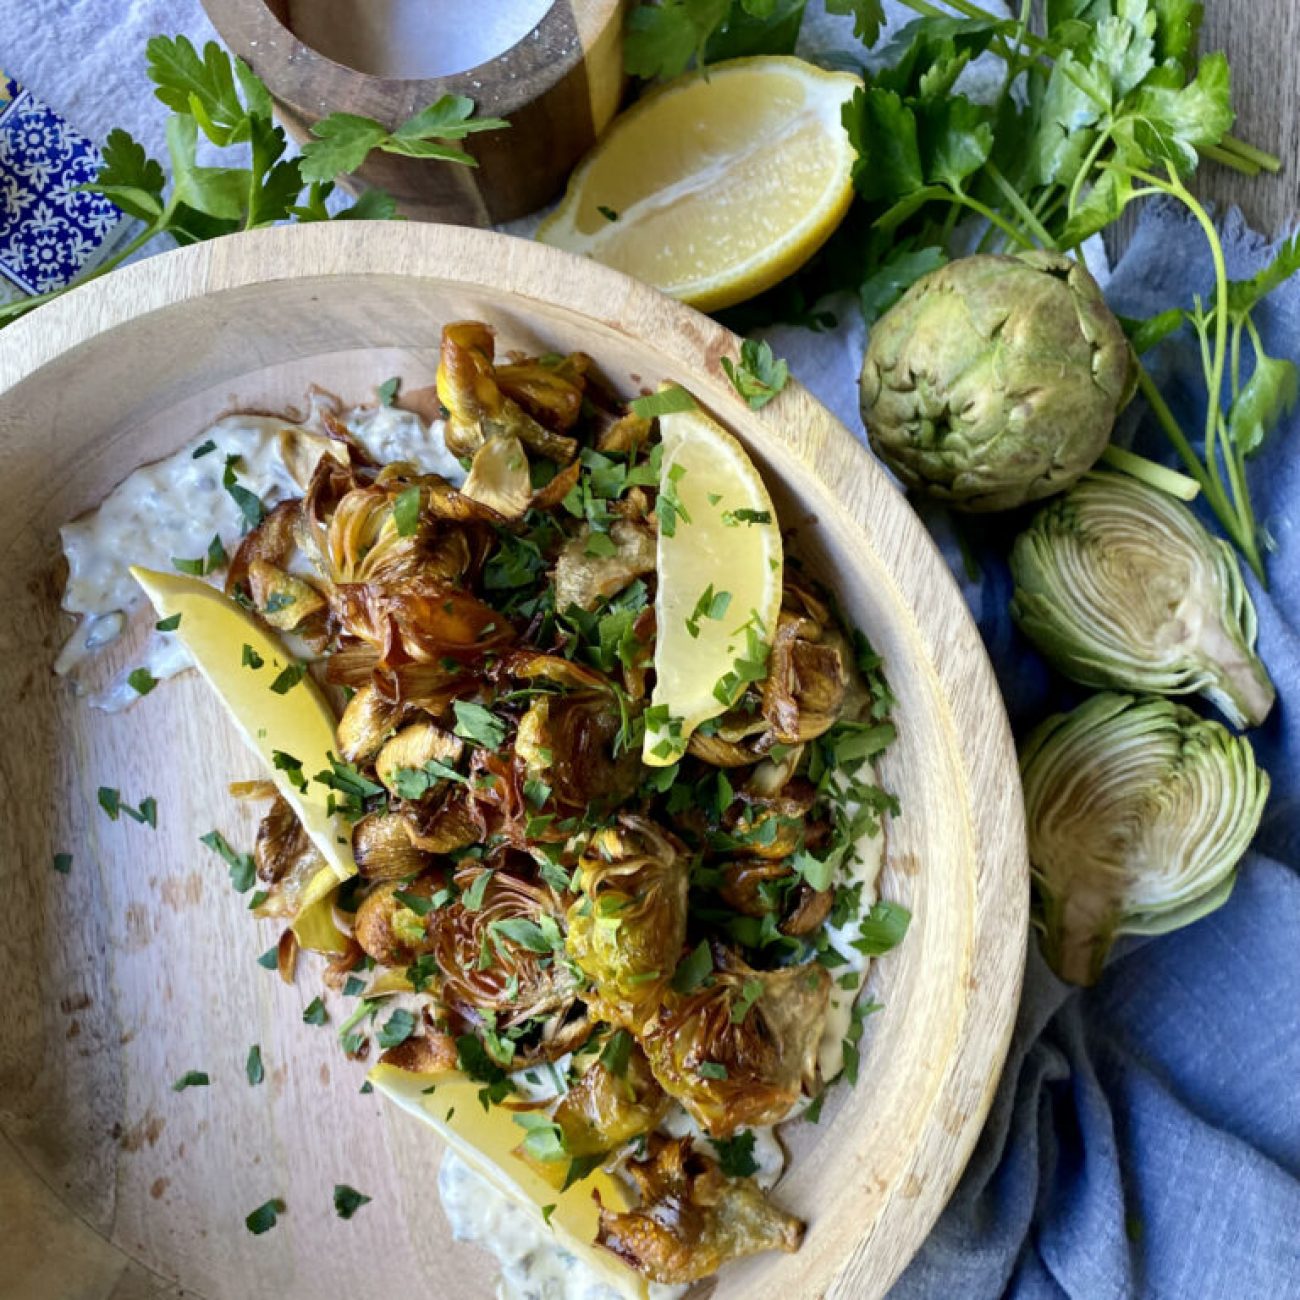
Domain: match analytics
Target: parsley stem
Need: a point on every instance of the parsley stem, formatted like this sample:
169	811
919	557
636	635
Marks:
1022	209
1216	153
994	218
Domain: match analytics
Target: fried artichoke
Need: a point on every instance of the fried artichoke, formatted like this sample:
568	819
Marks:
738	1051
693	1218
995	380
1119	585
1138	812
626	930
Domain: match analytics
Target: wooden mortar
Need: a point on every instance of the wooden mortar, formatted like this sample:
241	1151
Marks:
558	87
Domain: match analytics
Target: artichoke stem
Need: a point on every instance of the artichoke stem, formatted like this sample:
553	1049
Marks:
1243	690
1080	940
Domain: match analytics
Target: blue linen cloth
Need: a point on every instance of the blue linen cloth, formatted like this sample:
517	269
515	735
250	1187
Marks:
1145	1138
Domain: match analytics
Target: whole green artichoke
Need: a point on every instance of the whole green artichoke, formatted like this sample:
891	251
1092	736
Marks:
995	380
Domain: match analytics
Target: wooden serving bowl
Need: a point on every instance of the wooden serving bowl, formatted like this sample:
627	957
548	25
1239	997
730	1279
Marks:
558	86
140	964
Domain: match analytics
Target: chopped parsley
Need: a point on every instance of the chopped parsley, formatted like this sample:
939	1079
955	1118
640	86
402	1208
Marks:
482	726
667	401
250	504
243	871
712	605
253	1066
141	681
610	215
758	376
191	1079
711	1070
750	992
169	624
669	508
347	1200
544	1138
387	391
883	928
249	658
736	1154
694	970
406	511
265	1217
315	1014
288	678
63	863
396	1029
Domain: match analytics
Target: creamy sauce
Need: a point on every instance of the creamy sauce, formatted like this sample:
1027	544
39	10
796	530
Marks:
862	867
173	508
534	1266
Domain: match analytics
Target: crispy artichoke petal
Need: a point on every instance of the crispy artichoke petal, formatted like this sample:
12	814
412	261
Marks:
761	1062
627	928
693	1218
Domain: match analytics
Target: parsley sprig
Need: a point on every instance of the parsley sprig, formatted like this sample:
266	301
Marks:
213	96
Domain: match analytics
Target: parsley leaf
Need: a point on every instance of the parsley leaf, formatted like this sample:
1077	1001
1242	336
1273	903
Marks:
736	1154
694	970
396	1029
265	1217
343	141
347	1200
315	1013
482	726
667	401
141	681
243	871
759	376
406	511
387	391
883	928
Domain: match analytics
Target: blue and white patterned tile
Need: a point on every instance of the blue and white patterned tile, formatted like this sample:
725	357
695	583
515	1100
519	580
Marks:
50	232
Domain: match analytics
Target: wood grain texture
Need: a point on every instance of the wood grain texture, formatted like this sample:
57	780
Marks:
558	88
1261	40
140	964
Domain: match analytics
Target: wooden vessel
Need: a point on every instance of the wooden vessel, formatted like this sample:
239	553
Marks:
558	86
140	963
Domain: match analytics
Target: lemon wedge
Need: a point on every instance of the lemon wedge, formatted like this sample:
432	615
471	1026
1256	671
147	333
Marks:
298	721
714	189
486	1139
720	567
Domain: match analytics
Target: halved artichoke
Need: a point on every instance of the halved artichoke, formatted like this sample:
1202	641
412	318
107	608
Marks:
1119	585
1138	811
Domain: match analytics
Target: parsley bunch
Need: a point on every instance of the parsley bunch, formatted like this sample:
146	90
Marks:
220	98
1101	103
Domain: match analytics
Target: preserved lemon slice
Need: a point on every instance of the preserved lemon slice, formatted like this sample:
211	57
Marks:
298	721
486	1139
714	189
720	565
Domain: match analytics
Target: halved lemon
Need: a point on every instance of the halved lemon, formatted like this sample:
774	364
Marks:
713	189
720	566
296	721
486	1140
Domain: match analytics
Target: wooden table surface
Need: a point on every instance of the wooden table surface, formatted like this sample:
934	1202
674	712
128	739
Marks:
1261	39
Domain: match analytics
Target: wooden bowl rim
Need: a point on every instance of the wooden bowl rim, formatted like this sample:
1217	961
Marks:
291	71
693	342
